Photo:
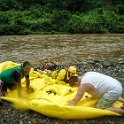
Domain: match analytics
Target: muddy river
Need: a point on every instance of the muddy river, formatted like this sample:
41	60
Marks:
61	48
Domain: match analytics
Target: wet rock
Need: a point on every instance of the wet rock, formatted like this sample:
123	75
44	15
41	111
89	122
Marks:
120	61
106	63
21	122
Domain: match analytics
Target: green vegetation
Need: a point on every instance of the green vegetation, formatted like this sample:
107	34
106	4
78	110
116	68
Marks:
61	16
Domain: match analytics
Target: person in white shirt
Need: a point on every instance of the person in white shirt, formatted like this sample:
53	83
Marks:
101	86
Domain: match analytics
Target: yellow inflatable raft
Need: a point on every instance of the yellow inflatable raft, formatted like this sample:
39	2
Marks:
51	99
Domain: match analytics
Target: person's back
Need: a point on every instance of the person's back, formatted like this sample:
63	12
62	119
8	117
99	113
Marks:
62	76
6	76
102	83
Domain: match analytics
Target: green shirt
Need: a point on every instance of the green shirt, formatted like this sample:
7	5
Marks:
6	75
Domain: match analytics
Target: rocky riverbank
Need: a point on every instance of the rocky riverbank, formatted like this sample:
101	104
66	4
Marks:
114	68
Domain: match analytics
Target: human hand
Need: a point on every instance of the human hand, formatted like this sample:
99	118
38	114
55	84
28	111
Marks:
70	104
30	90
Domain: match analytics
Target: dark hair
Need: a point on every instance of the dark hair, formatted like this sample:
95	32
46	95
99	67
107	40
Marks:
49	66
72	80
26	63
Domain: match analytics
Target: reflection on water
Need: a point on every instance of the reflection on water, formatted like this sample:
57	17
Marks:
61	48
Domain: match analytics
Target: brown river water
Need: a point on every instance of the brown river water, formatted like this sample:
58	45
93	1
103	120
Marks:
61	48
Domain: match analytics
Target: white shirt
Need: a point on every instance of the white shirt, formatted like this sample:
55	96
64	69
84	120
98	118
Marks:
105	86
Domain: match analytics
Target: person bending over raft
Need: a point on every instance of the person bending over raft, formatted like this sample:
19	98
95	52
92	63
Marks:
101	86
11	78
62	76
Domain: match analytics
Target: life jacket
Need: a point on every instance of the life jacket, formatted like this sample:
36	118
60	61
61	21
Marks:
56	72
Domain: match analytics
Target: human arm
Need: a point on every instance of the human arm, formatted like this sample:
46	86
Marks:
41	72
19	88
46	72
27	83
81	90
120	99
78	96
16	75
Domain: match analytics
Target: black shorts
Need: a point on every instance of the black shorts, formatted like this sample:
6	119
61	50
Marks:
4	86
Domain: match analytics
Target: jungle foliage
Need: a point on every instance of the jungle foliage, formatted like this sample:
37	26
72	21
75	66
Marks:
61	16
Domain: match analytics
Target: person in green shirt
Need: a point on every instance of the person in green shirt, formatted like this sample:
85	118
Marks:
11	77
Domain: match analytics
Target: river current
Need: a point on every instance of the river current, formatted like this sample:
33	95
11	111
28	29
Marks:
61	48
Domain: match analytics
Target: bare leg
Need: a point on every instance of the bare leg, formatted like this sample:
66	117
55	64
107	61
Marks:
120	99
117	110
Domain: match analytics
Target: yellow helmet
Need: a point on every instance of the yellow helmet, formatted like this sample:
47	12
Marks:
72	69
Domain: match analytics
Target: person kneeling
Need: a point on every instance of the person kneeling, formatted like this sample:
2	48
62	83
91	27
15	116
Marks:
106	88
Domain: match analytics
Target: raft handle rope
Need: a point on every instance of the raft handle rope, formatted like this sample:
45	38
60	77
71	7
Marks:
49	92
41	98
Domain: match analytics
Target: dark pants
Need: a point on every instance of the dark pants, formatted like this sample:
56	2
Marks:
4	86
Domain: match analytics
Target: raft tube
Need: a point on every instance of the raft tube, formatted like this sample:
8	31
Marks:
51	99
